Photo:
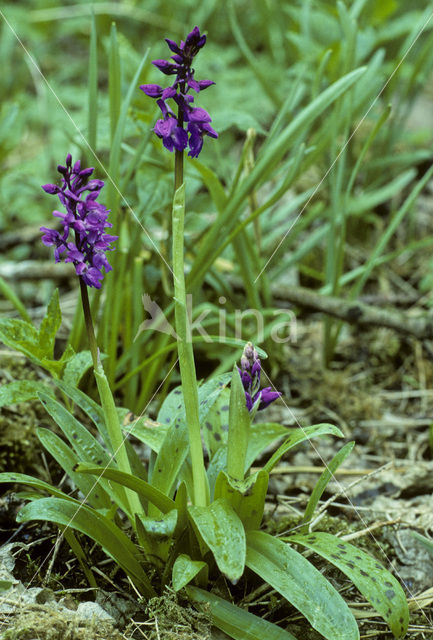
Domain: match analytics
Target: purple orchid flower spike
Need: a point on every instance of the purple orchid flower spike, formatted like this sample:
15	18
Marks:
86	217
249	372
171	128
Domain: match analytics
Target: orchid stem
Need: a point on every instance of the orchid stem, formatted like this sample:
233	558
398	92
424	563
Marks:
108	406
184	344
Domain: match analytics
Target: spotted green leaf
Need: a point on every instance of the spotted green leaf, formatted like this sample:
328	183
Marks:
76	367
95	495
222	531
185	570
380	588
21	391
246	497
299	435
99	528
302	585
49	326
236	622
322	483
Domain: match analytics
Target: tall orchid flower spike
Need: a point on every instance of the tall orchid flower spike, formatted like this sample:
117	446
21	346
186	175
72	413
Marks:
249	372
86	217
171	128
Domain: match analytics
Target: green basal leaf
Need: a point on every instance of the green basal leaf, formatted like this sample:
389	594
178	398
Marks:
299	435
21	336
171	457
247	497
91	408
49	326
143	488
322	483
174	449
208	393
85	445
95	495
181	502
216	465
162	528
302	585
236	622
222	531
239	428
22	478
380	588
82	518
150	432
87	448
76	367
185	570
262	435
216	426
21	391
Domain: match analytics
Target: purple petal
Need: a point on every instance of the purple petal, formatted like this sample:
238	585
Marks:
267	396
170	92
172	45
51	188
152	90
166	67
197	114
204	84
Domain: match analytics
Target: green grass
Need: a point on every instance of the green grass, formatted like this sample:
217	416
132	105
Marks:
310	147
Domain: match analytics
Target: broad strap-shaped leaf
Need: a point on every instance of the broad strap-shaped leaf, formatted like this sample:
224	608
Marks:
30	481
49	326
246	497
96	496
21	336
302	585
185	570
89	406
76	367
322	483
87	448
208	393
262	435
216	426
299	435
381	589
236	622
239	428
148	431
143	488
160	529
175	447
99	528
21	391
222	531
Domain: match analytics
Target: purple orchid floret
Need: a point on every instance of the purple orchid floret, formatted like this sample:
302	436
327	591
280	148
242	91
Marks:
249	372
173	134
86	218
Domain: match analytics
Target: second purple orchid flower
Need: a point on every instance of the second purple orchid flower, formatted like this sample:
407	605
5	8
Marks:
249	372
171	127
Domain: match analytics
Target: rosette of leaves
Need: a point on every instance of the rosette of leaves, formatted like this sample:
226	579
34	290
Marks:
173	541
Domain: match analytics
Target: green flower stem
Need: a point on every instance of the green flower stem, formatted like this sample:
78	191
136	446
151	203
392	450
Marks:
89	323
184	344
107	402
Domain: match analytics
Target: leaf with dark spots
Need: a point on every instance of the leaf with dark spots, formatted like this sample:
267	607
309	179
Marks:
376	584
